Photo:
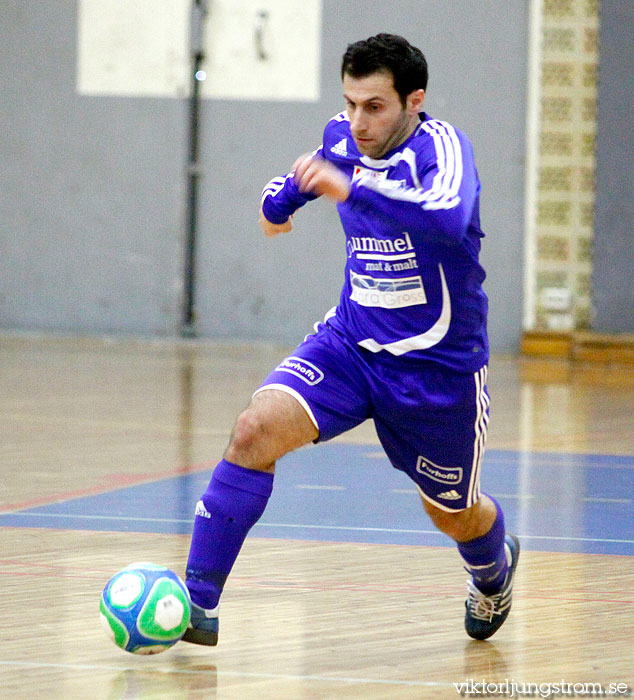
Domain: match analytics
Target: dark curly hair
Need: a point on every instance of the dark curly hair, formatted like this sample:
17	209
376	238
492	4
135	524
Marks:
390	52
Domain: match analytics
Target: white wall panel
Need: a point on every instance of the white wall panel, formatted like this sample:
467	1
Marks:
255	49
134	48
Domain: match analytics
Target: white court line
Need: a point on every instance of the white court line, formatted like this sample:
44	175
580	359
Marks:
122	518
317	487
86	516
518	496
437	532
220	674
607	500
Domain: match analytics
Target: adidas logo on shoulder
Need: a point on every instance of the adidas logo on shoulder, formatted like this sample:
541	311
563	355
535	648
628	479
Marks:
449	495
341	148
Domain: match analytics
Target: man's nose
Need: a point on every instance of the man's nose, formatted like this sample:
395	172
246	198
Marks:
358	122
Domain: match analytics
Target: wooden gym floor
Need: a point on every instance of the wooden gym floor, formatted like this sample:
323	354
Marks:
344	590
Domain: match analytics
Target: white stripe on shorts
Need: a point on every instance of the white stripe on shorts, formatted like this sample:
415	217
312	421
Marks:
481	423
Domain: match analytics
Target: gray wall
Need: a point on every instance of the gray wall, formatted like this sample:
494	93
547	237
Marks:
614	212
92	189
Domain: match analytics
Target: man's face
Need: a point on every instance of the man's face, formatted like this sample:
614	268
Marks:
378	120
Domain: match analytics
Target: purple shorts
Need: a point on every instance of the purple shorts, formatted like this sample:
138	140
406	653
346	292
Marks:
431	421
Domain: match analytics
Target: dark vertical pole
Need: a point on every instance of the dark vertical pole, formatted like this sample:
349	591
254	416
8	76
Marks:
199	12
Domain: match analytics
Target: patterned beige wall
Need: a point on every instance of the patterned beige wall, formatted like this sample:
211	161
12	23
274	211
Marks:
566	164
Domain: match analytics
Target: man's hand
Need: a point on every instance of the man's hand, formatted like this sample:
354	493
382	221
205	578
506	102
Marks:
321	177
271	230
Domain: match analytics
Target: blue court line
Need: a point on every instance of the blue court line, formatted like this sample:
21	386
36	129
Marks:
349	493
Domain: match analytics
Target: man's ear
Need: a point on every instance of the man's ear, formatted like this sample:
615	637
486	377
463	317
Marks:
415	101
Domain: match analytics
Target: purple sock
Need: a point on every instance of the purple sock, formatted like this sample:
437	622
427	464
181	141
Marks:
233	502
486	556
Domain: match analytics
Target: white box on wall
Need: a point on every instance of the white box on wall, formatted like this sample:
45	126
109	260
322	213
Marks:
254	49
290	40
133	48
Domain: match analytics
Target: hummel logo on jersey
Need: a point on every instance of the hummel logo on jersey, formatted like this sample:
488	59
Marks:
341	148
449	495
202	511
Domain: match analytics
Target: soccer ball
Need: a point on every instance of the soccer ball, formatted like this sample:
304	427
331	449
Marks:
145	608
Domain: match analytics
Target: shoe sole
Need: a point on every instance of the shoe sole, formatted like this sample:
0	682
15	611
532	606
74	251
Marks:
201	637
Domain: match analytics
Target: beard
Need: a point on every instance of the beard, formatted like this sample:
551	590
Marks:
377	147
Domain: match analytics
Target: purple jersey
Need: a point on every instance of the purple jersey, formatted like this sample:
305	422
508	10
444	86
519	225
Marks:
413	283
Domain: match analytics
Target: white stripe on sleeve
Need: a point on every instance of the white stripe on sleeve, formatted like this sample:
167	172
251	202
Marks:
445	187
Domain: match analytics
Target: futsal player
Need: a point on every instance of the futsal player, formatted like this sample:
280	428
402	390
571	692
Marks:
406	345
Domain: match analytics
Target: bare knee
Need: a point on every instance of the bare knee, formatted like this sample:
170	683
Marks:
247	438
274	424
451	524
466	524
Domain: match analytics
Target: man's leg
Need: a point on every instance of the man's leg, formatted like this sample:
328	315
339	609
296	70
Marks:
318	392
274	424
479	533
491	556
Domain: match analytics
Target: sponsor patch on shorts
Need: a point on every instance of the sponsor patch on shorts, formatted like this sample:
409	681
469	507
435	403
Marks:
445	475
301	368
